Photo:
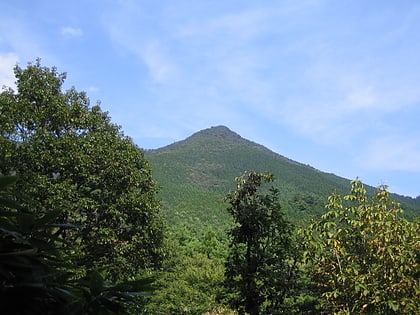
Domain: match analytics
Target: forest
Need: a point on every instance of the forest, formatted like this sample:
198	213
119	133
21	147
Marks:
90	223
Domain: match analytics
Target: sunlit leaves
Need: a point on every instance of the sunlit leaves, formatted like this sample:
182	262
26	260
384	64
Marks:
362	255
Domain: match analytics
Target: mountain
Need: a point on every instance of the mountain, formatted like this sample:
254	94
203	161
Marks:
196	173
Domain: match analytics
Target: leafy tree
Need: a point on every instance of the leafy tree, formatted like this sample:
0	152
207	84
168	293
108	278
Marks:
38	268
26	270
187	286
191	275
258	274
69	156
364	256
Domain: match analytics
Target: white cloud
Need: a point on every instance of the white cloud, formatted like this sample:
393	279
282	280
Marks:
244	24
395	153
161	69
7	63
18	37
71	31
337	101
333	86
131	34
93	89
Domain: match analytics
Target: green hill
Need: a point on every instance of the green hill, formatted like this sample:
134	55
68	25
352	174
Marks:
196	173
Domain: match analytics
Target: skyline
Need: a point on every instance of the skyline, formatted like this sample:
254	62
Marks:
331	84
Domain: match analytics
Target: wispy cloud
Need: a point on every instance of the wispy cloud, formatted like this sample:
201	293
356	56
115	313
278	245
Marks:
339	77
19	39
7	62
71	31
93	89
392	152
128	29
161	69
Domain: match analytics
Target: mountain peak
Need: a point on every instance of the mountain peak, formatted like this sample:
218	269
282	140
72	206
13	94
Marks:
217	131
210	159
215	136
219	128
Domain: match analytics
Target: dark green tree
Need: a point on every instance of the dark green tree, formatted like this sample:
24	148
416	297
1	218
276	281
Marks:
258	271
69	156
27	262
37	267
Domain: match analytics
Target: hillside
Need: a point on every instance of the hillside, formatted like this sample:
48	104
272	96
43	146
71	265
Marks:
196	173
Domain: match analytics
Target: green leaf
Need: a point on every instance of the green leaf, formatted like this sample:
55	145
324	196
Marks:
63	225
96	283
393	305
7	181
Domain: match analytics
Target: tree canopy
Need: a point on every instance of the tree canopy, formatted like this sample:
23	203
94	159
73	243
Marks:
363	256
81	226
68	156
258	275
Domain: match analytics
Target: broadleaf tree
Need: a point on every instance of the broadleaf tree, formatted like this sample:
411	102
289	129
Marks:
38	267
68	156
259	273
364	256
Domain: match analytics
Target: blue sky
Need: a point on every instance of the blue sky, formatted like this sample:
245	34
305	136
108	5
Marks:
333	84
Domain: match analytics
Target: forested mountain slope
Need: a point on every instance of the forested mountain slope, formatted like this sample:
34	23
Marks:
196	173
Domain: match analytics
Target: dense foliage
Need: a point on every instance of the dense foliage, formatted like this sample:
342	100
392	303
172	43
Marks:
81	230
69	157
190	280
40	268
195	175
258	274
364	257
25	269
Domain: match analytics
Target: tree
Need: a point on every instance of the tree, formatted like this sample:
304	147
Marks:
364	256
37	267
69	156
27	263
258	274
189	281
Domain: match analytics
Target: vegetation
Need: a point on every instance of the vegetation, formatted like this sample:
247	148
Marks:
364	257
68	156
190	280
258	273
73	166
195	175
40	267
82	231
24	263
